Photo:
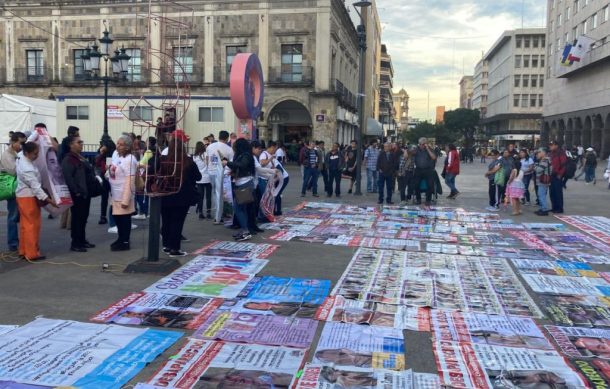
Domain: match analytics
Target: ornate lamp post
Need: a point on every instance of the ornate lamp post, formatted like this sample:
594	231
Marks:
91	65
362	45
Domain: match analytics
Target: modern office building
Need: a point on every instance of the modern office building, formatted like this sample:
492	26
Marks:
516	79
308	50
386	102
577	96
480	82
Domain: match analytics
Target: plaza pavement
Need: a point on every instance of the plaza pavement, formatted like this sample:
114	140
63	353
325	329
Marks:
72	286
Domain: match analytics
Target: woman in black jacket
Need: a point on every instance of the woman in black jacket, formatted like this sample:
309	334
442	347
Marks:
243	170
178	167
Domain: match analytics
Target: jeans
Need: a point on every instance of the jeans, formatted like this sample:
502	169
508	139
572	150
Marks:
388	182
526	182
450	181
12	224
371	180
205	192
428	175
278	199
142	202
589	173
542	193
496	193
216	182
172	223
80	214
334	176
123	224
111	221
310	173
556	193
260	191
243	212
324	174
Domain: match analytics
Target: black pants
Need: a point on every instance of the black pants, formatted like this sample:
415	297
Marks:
105	195
496	194
429	176
205	192
80	214
172	223
556	193
334	176
326	180
406	187
123	225
386	181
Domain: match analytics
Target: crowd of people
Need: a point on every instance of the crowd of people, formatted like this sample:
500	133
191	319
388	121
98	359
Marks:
248	178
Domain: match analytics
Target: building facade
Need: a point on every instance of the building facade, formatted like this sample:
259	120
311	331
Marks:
480	82
466	89
401	110
386	102
516	80
440	114
577	109
308	52
372	80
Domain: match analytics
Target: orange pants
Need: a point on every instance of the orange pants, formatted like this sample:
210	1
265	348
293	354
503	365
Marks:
29	226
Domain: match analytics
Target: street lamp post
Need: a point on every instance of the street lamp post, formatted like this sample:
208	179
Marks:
91	65
361	30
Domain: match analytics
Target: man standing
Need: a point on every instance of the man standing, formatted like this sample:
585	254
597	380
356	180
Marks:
8	165
320	149
77	171
311	171
370	161
334	164
558	169
386	167
216	152
64	149
425	159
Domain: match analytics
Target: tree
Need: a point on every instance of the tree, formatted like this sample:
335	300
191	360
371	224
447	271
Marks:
426	129
464	121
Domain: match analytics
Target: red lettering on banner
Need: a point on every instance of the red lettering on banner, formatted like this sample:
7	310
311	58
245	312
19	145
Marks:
309	379
200	366
324	310
106	314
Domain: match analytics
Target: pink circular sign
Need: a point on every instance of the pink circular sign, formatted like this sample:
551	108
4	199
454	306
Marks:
247	86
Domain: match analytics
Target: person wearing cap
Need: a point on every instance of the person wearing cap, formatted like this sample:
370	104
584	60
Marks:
590	166
558	162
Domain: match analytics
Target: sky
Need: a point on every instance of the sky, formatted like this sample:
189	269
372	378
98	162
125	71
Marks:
433	43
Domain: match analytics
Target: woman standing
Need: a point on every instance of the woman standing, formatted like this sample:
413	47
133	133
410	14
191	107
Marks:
527	167
406	170
122	178
204	185
350	168
452	170
243	170
177	165
30	197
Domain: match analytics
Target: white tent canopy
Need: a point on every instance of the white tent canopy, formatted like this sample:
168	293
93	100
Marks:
19	113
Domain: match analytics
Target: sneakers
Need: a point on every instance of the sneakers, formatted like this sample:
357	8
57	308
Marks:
243	236
140	216
166	250
134	226
119	246
113	230
177	253
491	209
542	213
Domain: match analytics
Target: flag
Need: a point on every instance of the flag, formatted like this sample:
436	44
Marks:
580	48
566	53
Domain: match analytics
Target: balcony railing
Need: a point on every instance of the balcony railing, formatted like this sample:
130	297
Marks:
33	76
69	77
192	75
278	75
346	97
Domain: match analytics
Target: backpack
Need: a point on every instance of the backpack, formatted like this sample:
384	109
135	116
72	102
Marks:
500	177
591	159
571	167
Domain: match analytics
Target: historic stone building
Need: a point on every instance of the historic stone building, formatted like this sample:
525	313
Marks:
308	50
577	109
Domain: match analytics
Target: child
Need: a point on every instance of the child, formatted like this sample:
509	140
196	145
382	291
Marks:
516	188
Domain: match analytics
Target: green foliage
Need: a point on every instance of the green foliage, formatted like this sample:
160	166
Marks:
426	129
464	121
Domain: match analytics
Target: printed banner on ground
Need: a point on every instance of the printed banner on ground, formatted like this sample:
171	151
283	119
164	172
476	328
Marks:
6	328
284	309
580	286
356	347
212	365
340	309
159	310
291	290
578	342
237	250
64	353
507	331
596	226
577	311
482	366
258	329
209	277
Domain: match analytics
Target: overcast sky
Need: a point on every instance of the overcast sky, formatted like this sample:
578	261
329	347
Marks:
434	42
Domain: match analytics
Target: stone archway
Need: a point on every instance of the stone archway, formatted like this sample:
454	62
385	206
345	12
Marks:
554	131
586	132
578	132
570	133
561	132
290	120
596	133
606	139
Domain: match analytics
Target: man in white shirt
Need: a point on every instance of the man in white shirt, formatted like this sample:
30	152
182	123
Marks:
216	152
